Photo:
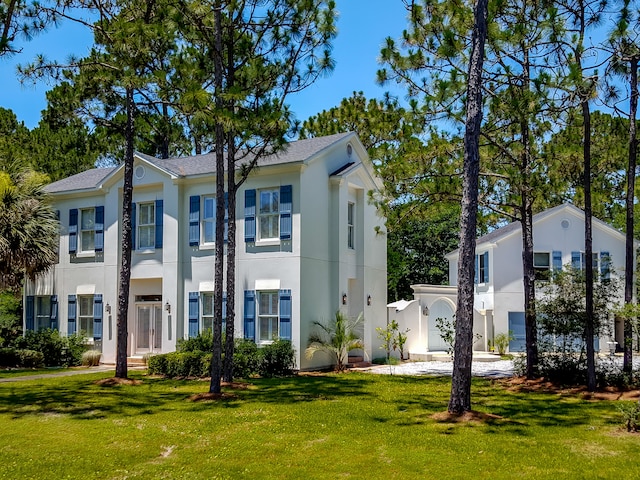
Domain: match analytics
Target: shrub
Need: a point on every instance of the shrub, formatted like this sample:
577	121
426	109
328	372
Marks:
157	364
246	359
30	359
48	342
501	342
10	318
203	342
21	358
57	350
91	358
630	415
75	346
277	359
8	357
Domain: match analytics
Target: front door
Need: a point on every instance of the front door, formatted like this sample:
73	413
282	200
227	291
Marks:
148	328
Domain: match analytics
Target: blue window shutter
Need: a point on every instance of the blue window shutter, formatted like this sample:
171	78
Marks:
477	270
71	315
605	266
226	217
575	260
285	314
250	216
133	226
73	230
193	314
54	312
224	311
556	261
250	315
159	222
286	202
194	220
99	241
486	267
30	314
97	316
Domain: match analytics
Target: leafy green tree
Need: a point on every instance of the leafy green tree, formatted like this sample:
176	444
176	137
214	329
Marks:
251	57
336	338
626	55
28	226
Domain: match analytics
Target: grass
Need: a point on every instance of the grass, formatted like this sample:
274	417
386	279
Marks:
327	426
22	372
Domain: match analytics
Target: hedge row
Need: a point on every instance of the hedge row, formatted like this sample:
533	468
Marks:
21	358
274	360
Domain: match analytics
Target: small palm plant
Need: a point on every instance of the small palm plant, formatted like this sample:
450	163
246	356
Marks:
337	338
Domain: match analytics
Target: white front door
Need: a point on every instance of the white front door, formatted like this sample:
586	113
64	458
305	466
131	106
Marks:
148	328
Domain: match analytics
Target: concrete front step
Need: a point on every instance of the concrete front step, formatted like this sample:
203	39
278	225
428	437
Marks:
136	362
445	357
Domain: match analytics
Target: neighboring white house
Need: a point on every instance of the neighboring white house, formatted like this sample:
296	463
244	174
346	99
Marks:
558	240
307	245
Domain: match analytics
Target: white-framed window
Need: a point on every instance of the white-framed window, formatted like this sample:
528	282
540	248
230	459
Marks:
42	312
87	229
542	265
146	225
208	219
269	214
85	315
206	317
351	225
482	268
268	321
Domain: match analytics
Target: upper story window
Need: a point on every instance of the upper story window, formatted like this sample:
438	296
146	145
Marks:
542	265
482	268
350	225
208	219
269	214
87	229
146	225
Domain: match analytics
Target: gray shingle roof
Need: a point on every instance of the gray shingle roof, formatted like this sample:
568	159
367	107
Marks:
86	180
298	151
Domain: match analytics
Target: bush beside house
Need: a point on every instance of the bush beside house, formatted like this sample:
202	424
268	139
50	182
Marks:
191	360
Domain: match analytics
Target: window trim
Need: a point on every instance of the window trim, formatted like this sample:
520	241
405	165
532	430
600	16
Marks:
272	315
204	220
82	231
151	225
273	214
84	318
351	233
547	269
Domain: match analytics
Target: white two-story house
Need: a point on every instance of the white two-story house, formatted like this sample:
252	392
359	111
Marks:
307	245
558	240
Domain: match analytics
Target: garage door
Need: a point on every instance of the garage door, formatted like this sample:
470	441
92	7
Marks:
439	309
516	327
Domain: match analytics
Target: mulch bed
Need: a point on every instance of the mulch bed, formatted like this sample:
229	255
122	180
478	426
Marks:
521	384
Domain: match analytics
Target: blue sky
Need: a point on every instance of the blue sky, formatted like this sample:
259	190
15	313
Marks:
363	25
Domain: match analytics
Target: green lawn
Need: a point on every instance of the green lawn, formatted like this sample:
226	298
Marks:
22	372
358	426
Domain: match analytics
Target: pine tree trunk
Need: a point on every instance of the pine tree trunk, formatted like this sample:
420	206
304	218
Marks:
232	192
630	200
231	264
216	359
588	249
460	400
122	333
526	219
